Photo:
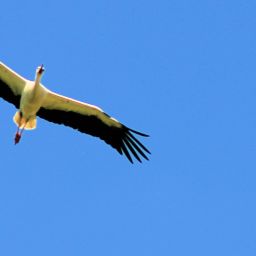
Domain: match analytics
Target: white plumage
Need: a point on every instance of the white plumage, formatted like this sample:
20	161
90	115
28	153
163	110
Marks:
32	99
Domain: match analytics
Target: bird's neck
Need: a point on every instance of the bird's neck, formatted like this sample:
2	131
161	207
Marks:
37	80
37	84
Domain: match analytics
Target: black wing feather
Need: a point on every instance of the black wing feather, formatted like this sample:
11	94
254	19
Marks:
114	136
7	94
128	144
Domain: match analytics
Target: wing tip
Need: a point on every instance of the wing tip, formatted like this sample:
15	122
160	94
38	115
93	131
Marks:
131	146
138	133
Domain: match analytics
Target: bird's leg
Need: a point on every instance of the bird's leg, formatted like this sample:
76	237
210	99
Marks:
19	131
17	138
23	129
18	134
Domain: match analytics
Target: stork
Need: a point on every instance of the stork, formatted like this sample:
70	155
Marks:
32	99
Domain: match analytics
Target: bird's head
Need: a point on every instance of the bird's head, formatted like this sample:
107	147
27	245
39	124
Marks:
40	70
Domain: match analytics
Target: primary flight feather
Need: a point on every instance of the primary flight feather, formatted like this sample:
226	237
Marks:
32	99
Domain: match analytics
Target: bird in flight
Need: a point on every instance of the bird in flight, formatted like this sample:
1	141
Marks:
32	99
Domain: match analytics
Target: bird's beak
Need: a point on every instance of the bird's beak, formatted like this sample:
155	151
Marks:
41	69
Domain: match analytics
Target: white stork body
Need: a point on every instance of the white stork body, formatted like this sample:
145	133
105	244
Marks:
33	99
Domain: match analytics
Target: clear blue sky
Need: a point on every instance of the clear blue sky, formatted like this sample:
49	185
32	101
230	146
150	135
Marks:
182	71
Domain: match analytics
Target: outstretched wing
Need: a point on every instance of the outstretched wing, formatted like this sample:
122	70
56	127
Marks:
11	85
92	120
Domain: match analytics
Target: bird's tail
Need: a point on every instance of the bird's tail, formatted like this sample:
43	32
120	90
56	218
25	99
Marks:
22	123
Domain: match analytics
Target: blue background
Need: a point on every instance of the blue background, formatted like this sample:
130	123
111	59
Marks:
182	71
